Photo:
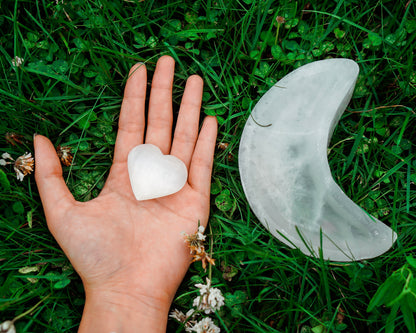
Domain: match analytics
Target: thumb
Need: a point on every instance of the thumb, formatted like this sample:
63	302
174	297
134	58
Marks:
54	193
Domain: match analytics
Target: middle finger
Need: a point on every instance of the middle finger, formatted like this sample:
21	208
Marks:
159	123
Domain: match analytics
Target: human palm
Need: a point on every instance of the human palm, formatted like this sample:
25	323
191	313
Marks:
118	245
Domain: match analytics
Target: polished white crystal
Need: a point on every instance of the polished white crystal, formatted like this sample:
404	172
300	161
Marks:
152	174
285	172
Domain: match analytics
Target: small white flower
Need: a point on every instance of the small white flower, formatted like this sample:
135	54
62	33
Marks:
190	313
205	325
178	315
200	233
3	162
185	319
19	174
7	327
17	61
6	156
211	299
23	165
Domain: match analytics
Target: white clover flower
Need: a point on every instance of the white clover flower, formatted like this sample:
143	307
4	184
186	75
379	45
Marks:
196	246
185	319
178	315
205	325
17	61
7	327
23	165
190	313
19	174
6	156
210	299
200	233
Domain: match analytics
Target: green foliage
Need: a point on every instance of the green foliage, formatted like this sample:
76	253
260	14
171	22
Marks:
76	58
398	292
235	302
223	201
4	181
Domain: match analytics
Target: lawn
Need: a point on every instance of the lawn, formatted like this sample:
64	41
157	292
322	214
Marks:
75	59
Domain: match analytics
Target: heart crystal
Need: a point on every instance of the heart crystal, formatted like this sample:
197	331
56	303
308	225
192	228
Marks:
154	175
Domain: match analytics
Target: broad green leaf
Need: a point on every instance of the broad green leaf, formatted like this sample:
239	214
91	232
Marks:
277	52
140	39
327	47
411	261
375	39
53	276
303	28
388	291
86	118
223	201
318	329
235	301
262	70
408	317
4	181
220	120
339	33
341	327
32	37
62	283
216	187
291	23
60	66
18	207
410	26
291	45
395	290
90	73
410	300
81	44
111	138
84	146
391	318
317	52
191	17
152	42
238	80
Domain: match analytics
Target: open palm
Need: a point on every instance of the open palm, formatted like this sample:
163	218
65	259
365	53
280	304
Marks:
118	245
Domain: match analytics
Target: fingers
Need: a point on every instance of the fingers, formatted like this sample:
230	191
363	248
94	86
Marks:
53	191
203	157
186	131
159	121
132	117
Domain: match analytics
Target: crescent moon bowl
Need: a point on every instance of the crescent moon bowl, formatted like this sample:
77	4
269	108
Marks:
285	172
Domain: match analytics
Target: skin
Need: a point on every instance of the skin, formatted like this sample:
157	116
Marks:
131	254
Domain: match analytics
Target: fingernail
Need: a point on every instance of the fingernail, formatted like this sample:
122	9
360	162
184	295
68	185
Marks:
34	134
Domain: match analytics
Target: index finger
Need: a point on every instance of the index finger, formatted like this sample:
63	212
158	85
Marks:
132	117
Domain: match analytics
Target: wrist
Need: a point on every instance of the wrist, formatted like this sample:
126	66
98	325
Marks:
112	311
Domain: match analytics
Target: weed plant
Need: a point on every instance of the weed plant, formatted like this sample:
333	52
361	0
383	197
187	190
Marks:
76	56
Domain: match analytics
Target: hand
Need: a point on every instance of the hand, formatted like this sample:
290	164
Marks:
130	254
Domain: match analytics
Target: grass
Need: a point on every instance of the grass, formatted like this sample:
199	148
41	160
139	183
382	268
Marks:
76	57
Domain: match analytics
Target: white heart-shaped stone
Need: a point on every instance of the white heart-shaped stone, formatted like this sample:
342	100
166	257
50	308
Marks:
154	175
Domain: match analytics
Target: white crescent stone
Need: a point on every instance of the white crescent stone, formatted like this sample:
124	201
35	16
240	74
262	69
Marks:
285	172
152	174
